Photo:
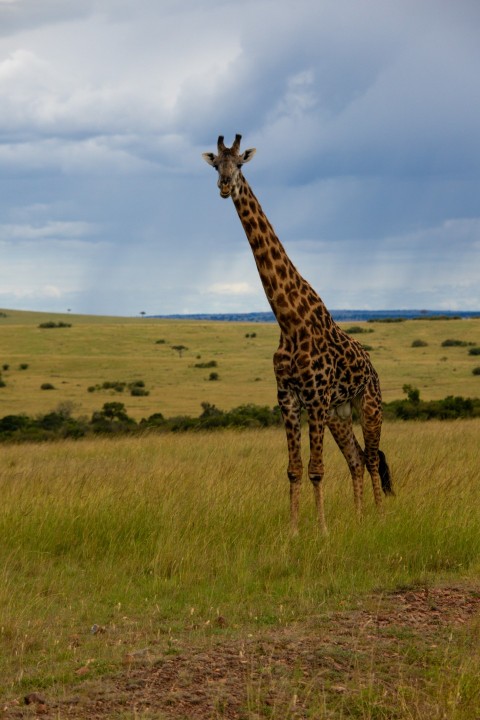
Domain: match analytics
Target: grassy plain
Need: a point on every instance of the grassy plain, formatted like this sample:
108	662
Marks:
96	349
154	539
166	543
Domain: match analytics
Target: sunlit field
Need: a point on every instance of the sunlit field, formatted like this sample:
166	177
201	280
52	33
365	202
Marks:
95	350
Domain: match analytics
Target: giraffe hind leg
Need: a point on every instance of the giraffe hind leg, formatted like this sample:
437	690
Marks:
370	410
341	427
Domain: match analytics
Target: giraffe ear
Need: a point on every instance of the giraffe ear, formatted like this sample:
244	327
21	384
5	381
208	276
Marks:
248	155
210	158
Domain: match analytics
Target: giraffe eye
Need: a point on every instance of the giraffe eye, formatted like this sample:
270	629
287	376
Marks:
216	167
239	166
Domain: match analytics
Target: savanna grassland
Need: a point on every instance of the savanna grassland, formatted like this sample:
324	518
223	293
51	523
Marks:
155	576
95	350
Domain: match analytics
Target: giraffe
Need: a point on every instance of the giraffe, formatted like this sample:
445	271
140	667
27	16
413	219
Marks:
317	365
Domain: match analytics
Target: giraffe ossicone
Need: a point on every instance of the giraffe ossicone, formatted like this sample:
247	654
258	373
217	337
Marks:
317	366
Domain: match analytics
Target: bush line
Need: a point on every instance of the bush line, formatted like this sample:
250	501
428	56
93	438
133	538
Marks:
113	419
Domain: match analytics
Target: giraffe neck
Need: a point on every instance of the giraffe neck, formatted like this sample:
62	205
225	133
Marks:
292	299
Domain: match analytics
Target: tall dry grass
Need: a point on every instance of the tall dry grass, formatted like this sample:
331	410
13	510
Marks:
142	535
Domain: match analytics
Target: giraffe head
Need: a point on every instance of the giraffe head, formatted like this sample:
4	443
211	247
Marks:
228	163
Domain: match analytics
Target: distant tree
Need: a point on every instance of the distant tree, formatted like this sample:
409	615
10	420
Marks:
114	410
412	393
112	418
179	348
142	313
209	410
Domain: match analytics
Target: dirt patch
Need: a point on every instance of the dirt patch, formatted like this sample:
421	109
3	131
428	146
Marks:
381	652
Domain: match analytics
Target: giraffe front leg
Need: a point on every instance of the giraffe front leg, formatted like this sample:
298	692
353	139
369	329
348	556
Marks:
315	467
295	487
290	408
295	466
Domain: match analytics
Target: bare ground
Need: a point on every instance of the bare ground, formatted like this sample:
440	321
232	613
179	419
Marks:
384	658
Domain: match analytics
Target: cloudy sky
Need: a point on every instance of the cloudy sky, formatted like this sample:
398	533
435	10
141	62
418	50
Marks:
366	119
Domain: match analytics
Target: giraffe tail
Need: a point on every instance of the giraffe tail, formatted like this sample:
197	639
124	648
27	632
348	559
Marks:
385	474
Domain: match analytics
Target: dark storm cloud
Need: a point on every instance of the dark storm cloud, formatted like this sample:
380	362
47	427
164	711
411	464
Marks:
365	117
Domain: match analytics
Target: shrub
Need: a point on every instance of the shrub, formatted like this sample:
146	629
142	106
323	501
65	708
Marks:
358	330
6	367
47	386
413	408
2	382
51	421
182	423
213	376
153	421
419	343
472	351
210	364
160	342
254	416
387	320
137	391
476	371
51	324
455	343
412	393
12	423
23	366
112	385
137	387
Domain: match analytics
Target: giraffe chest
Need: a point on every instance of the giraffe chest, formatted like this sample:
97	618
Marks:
337	372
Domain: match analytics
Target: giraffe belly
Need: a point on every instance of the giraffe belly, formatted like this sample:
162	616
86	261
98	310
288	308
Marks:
339	408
